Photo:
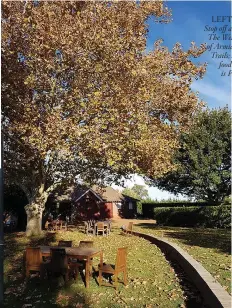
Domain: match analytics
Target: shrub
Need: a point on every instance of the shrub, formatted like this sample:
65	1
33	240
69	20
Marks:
148	207
139	208
227	200
209	217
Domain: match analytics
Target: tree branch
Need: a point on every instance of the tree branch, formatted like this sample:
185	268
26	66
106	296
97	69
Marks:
53	187
25	190
14	139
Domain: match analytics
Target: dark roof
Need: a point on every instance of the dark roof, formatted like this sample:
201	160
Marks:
82	192
107	194
131	198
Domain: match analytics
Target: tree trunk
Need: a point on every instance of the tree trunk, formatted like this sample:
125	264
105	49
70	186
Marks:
34	223
34	212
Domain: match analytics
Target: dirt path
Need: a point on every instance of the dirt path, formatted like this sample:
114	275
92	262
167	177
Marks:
121	221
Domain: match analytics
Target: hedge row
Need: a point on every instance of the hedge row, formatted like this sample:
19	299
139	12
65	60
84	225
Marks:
175	203
148	207
209	217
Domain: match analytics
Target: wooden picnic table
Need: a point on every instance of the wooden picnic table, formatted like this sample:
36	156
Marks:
81	253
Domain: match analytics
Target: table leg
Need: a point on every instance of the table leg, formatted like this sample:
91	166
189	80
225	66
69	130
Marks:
87	270
101	258
95	229
100	269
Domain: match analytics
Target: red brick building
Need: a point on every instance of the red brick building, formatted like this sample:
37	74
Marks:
95	203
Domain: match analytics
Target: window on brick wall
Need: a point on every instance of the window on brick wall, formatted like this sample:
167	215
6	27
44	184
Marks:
130	205
119	205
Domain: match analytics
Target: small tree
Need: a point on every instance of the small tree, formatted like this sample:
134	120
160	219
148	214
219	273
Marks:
139	192
204	159
81	98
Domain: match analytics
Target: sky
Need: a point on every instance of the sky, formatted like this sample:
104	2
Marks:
192	21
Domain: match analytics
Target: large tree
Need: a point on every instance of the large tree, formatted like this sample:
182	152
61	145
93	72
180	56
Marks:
204	159
80	97
137	191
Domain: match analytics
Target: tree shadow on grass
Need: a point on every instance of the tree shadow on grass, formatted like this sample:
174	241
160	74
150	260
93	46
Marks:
202	237
146	225
193	298
34	292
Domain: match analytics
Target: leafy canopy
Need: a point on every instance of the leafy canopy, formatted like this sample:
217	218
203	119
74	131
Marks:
80	97
204	159
137	191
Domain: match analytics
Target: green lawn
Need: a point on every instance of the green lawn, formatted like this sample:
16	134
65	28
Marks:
210	247
152	280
